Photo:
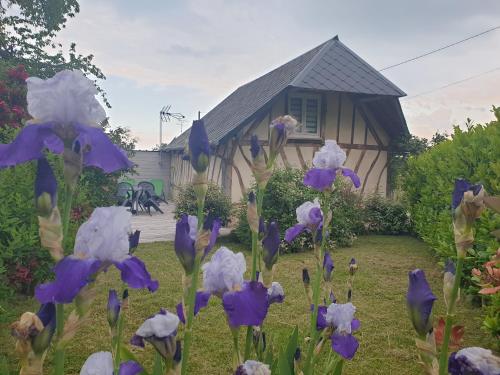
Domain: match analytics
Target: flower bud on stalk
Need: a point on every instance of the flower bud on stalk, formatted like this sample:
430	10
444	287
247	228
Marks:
270	251
259	166
113	308
49	218
281	128
252	216
448	281
307	284
467	206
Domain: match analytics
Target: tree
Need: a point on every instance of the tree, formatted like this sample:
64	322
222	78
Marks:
27	37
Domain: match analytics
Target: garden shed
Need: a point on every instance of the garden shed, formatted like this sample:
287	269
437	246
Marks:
332	92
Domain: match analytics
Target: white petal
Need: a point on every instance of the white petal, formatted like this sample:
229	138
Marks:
105	235
100	363
303	211
66	98
340	315
256	368
160	325
224	271
193	226
275	290
482	359
329	156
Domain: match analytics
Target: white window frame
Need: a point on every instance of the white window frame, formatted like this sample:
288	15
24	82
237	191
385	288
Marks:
304	97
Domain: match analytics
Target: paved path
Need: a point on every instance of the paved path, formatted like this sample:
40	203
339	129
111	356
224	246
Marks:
158	227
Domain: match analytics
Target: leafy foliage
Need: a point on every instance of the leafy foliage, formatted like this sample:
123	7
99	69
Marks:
384	216
473	154
217	203
27	32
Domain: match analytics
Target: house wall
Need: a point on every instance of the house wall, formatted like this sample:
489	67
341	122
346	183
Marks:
348	122
149	165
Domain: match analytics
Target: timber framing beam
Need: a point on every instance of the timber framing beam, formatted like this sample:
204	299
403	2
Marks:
313	143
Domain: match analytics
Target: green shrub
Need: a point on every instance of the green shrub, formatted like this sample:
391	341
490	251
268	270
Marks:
429	180
285	192
217	203
385	216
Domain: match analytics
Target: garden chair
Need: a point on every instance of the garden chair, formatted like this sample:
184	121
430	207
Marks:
160	193
125	195
147	197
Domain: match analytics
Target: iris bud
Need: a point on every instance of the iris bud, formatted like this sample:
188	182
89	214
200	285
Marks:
252	216
114	307
45	188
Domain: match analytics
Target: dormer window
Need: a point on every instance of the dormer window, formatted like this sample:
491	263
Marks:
306	109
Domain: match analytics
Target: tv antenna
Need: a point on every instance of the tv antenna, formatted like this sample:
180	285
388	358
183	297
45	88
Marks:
165	116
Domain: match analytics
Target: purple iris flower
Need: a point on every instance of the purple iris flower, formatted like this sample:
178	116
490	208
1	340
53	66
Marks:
327	267
101	241
473	361
45	183
275	293
420	300
326	163
113	308
160	331
271	244
201	301
129	368
248	306
309	218
461	187
186	231
341	318
199	146
98	150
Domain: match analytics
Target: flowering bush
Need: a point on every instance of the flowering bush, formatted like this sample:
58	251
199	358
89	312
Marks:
217	203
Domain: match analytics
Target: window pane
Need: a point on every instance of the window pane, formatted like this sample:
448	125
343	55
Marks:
311	121
296	108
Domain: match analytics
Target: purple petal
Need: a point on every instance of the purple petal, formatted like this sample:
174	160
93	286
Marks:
129	368
461	186
184	244
355	324
134	273
254	146
137	340
47	314
315	216
133	239
213	236
319	178
271	244
294	231
247	307
99	151
202	299
420	300
113	307
29	144
327	266
72	274
353	176
345	345
321	323
45	181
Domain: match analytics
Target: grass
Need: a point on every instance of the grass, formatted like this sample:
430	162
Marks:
386	336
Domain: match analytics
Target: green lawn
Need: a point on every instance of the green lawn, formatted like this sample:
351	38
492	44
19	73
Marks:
386	336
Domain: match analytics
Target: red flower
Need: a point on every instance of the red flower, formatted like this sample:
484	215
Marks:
4	108
457	333
18	111
18	73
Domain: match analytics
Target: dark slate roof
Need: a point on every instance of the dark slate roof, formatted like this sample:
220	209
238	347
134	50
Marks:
330	66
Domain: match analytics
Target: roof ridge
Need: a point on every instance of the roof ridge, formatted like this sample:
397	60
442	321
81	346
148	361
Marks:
375	70
312	62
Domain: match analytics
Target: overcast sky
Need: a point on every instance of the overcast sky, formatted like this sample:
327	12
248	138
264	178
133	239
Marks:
192	54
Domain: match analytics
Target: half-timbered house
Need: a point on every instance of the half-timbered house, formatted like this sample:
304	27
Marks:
331	91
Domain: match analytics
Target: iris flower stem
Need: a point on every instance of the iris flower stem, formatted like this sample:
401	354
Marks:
59	352
192	297
338	367
308	365
118	340
450	313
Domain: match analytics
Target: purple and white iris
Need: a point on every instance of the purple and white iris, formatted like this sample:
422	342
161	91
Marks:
327	163
101	363
309	218
65	111
275	293
420	300
101	241
280	128
474	361
186	231
251	367
245	302
160	331
341	317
